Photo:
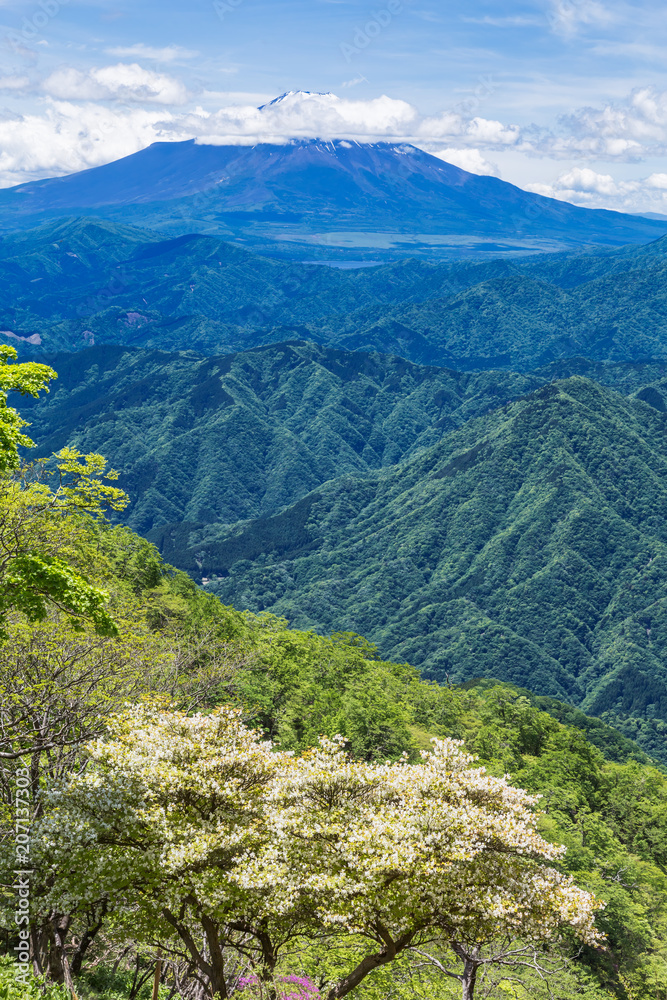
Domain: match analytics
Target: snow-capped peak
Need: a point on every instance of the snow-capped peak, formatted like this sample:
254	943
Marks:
296	97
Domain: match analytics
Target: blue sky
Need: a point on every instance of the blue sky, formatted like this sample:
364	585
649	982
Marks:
567	97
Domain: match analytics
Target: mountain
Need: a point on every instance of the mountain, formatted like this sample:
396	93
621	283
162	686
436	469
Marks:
529	545
67	285
206	442
223	439
518	321
327	199
475	524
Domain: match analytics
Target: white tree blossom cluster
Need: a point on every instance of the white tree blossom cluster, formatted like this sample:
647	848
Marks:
207	840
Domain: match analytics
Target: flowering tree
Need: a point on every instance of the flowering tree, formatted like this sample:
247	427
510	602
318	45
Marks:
208	834
156	824
395	852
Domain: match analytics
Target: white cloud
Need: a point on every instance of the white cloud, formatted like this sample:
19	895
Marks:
68	137
626	130
14	83
74	132
122	82
303	115
140	51
590	189
470	160
327	116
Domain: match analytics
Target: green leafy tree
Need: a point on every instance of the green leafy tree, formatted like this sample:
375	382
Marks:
38	523
28	379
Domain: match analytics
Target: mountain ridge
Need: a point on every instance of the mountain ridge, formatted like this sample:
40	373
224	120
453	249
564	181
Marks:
68	284
528	545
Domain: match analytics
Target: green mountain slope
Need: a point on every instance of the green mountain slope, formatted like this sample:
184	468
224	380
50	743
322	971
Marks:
530	545
521	321
201	440
229	438
602	796
78	280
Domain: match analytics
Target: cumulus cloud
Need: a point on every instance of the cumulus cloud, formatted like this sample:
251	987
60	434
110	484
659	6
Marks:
475	130
70	137
327	116
590	189
625	130
77	129
470	160
123	82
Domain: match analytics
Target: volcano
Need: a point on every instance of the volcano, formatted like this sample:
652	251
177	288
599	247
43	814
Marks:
327	195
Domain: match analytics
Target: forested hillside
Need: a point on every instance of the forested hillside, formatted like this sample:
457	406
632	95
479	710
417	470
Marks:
227	438
497	535
603	797
529	545
209	440
70	284
155	815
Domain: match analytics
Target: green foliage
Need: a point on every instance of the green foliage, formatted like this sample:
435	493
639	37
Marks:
33	584
295	686
12	989
28	379
298	686
38	529
104	983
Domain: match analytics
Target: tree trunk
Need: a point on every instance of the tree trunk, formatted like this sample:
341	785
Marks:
84	944
59	970
217	958
267	975
213	968
469	980
367	965
39	948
